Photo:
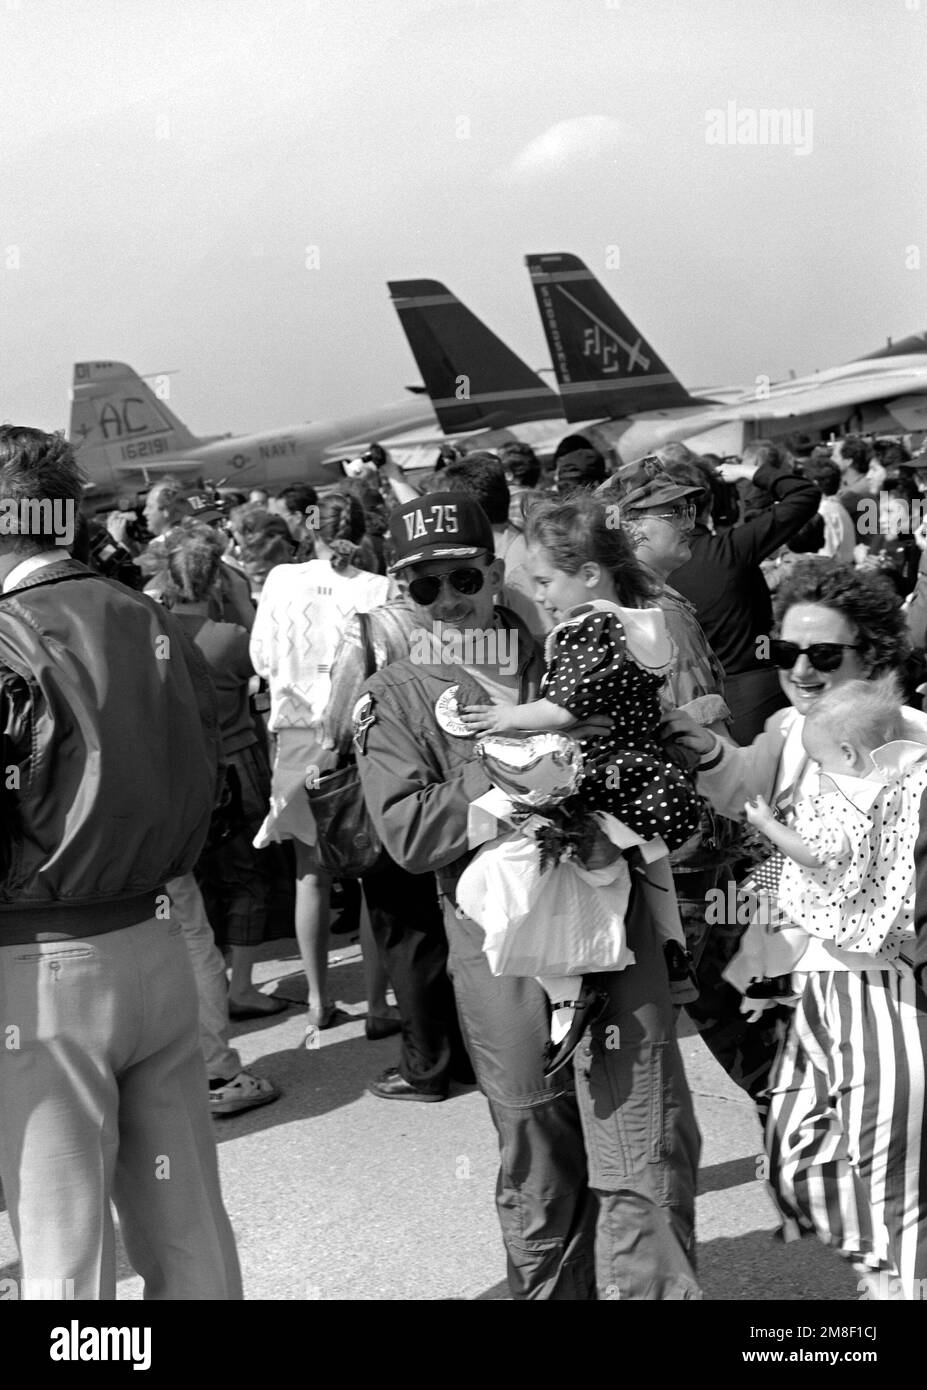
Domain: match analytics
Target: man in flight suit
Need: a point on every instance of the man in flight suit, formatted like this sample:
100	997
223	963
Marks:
594	1196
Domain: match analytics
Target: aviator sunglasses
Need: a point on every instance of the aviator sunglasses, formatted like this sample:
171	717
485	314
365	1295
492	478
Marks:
823	656
425	589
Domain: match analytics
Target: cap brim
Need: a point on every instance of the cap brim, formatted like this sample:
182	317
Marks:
661	498
439	552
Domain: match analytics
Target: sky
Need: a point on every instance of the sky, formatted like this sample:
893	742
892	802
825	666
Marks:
222	189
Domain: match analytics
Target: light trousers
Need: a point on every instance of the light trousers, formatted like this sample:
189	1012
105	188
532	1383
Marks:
103	1097
187	906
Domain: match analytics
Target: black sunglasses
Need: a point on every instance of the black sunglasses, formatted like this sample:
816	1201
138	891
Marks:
823	656
426	589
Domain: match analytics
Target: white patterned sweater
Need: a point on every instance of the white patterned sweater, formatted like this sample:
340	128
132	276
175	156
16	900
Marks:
302	614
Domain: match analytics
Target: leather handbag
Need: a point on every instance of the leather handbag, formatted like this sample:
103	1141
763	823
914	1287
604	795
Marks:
348	845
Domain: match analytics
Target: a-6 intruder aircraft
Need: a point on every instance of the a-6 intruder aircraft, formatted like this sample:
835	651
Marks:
125	436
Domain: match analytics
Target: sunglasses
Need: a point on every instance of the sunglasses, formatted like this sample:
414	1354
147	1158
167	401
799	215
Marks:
823	656
426	589
680	515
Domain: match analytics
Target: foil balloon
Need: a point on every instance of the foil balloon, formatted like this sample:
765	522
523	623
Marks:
536	771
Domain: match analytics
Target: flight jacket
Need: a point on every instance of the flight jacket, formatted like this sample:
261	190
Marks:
109	755
418	779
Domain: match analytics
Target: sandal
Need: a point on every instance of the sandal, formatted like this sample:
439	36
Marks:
322	1018
242	1092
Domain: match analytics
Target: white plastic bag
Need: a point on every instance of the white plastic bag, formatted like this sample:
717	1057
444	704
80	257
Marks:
566	921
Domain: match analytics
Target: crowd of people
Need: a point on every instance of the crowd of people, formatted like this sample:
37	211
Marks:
681	695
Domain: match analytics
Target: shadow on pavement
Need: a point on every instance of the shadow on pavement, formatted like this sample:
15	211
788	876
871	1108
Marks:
755	1266
334	1071
736	1172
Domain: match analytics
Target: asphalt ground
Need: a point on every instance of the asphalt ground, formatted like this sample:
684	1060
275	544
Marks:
337	1195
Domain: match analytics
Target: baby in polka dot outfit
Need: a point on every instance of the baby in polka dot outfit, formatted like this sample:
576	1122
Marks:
848	874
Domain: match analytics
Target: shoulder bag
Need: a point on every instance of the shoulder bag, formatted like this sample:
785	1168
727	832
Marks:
348	844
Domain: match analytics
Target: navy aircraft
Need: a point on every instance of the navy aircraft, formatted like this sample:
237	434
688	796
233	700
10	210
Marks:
125	435
477	384
603	364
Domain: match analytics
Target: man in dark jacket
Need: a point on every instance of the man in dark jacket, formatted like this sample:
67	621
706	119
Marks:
109	750
724	582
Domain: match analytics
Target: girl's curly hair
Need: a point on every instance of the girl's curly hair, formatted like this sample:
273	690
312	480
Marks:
867	600
578	530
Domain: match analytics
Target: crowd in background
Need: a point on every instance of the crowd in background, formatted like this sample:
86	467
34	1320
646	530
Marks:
779	575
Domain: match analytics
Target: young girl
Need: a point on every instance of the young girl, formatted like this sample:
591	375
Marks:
840	874
609	654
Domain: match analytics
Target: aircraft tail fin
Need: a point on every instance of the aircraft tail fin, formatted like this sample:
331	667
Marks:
603	364
118	424
474	380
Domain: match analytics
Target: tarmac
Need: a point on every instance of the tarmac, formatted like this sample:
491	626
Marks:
336	1195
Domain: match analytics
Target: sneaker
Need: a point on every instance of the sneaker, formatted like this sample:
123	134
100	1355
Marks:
243	1092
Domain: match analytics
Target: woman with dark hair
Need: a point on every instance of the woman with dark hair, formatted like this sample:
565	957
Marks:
302	614
372	552
262	541
846	1133
894	549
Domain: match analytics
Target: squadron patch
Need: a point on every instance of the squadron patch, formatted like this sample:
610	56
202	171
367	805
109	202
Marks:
363	715
447	714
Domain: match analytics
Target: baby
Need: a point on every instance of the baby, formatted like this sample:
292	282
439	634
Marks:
842	877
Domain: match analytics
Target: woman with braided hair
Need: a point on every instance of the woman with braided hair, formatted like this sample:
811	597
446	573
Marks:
302	614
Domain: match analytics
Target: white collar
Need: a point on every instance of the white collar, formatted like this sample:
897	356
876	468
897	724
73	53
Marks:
861	792
34	562
893	759
644	628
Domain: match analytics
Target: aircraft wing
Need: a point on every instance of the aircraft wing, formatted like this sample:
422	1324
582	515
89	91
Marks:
407	447
814	396
180	466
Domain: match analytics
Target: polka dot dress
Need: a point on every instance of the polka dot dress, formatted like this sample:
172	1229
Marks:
862	898
590	671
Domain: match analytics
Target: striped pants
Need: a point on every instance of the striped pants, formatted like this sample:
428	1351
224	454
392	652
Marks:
846	1135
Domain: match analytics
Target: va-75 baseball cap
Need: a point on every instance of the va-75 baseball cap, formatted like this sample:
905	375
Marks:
439	526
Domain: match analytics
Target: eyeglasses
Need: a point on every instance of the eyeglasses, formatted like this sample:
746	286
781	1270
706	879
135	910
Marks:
683	515
426	589
823	656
